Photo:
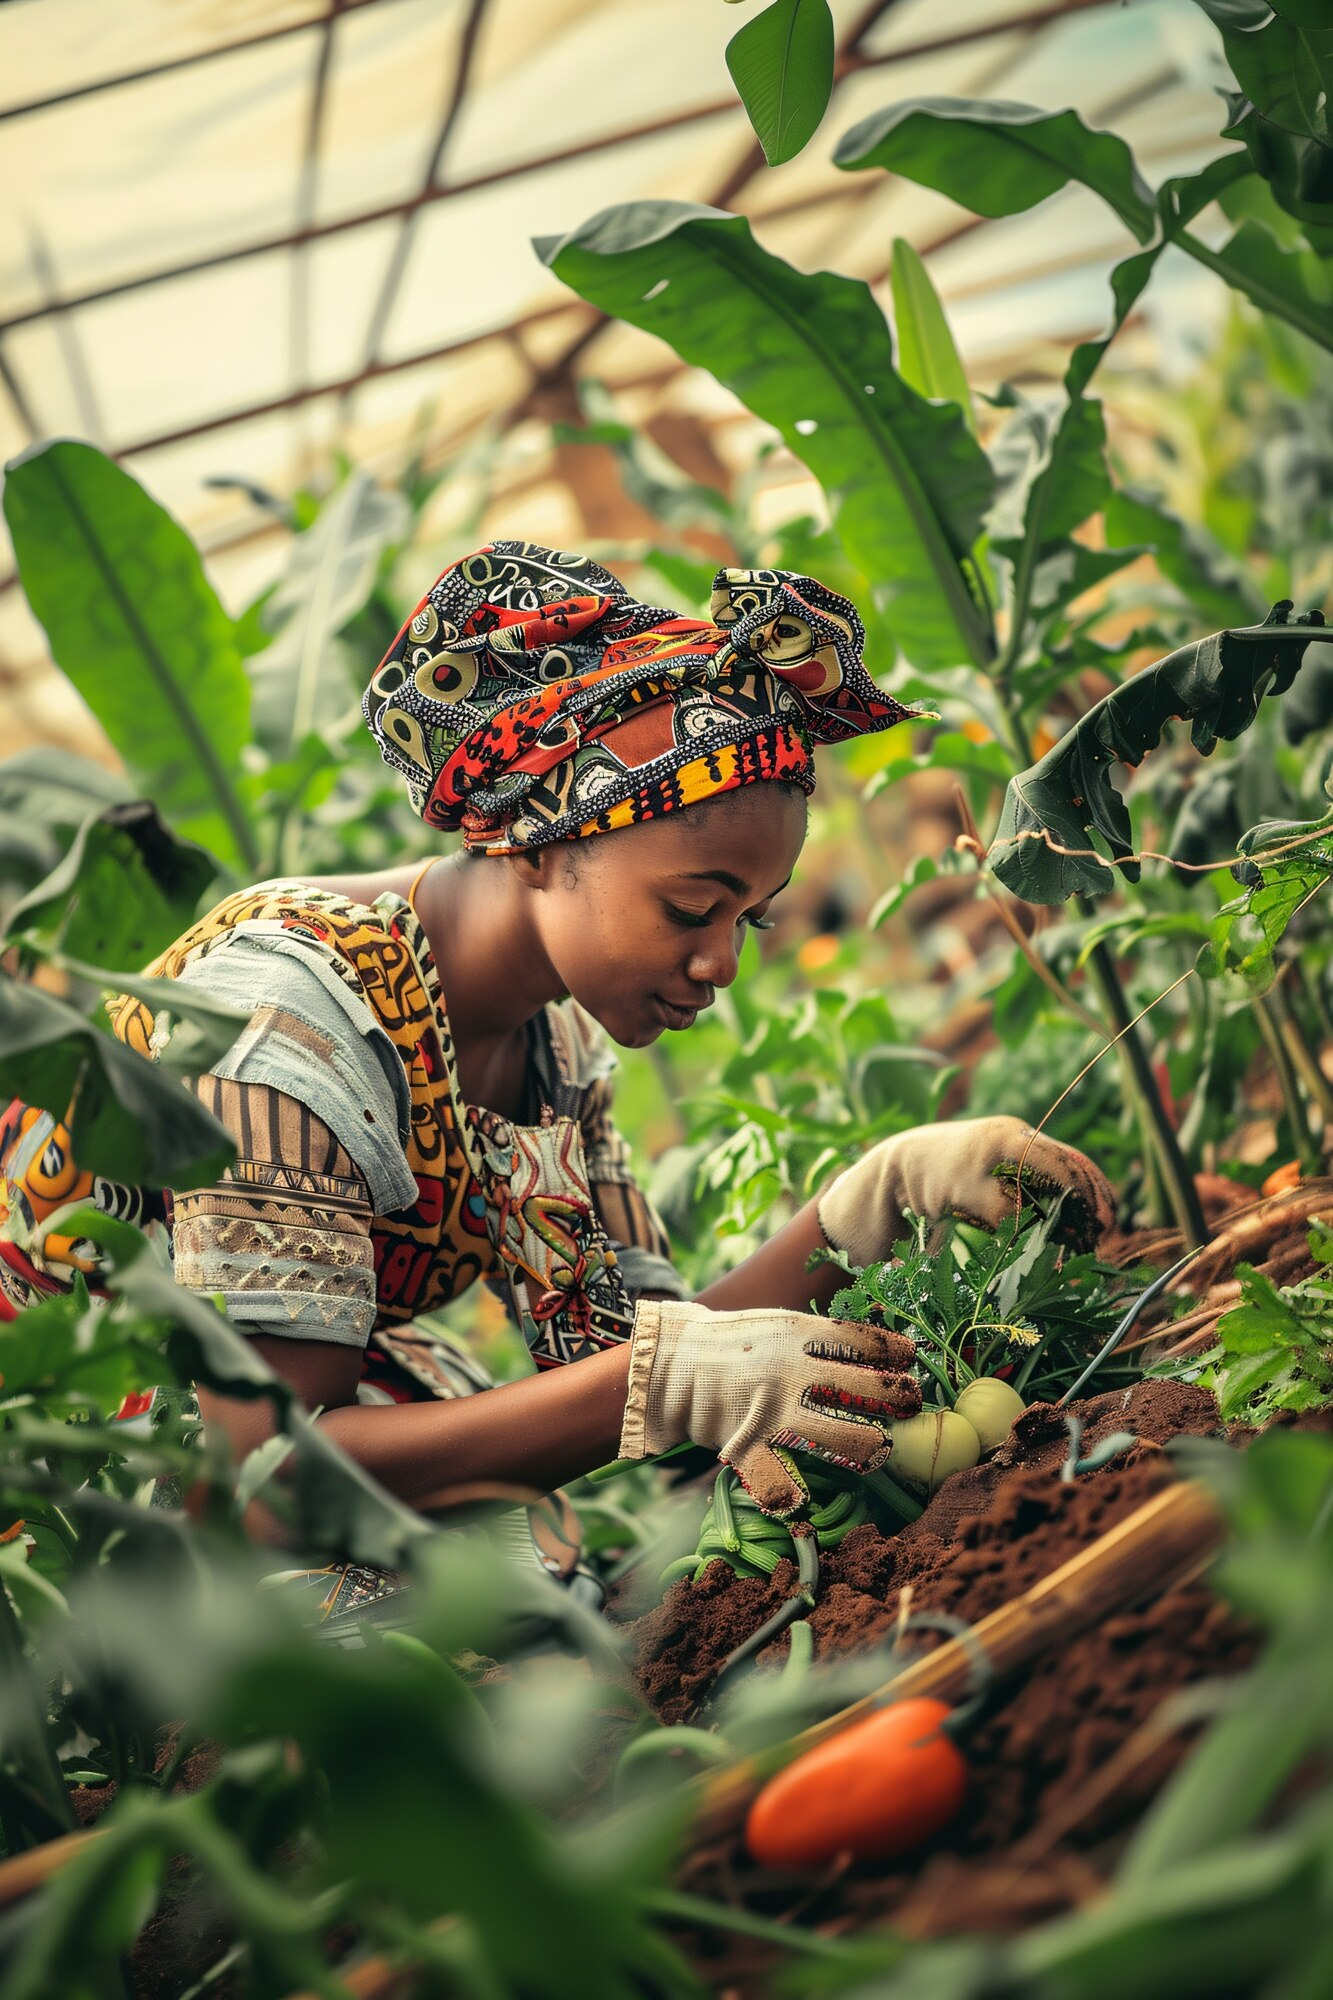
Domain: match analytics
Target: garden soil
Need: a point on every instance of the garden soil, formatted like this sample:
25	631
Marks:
1063	1765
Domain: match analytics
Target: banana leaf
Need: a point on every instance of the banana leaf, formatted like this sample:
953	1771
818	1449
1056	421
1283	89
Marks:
781	63
1042	849
811	354
998	158
135	623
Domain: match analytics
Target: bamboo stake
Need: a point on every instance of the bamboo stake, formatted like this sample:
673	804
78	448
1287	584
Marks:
22	1873
1156	1545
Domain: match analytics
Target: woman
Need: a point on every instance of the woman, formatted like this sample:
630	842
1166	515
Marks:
416	1103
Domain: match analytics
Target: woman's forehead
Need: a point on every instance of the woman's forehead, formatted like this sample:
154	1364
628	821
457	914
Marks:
745	842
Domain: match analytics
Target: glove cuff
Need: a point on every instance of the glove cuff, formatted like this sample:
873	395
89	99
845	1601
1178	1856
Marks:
642	1354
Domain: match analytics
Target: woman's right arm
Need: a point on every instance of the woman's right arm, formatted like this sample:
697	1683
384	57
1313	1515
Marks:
284	1238
539	1432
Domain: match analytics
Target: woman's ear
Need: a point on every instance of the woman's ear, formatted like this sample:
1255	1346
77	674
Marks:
534	867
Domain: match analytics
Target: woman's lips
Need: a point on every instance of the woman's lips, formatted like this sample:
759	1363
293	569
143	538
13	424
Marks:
674	1016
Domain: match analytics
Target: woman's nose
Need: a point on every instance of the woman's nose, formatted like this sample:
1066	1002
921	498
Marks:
714	962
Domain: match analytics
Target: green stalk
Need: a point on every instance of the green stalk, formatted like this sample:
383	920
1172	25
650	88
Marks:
1156	1127
1293	1102
1304	1058
1180	1188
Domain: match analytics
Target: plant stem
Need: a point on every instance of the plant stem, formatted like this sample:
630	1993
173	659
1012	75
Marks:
1304	1057
1157	1127
1293	1103
1180	1188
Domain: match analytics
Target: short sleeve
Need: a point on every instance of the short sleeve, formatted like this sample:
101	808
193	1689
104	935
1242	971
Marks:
284	1236
312	1037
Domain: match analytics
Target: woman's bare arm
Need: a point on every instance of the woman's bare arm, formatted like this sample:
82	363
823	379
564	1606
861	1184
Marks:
775	1275
538	1432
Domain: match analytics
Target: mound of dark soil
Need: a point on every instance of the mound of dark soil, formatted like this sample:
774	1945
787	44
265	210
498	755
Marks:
1062	1760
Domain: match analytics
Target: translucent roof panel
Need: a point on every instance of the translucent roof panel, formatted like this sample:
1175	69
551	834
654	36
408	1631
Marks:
241	234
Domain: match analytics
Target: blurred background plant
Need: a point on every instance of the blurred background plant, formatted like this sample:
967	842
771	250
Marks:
1045	545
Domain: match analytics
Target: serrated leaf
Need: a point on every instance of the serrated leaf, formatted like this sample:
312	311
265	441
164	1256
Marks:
809	353
1041	847
781	63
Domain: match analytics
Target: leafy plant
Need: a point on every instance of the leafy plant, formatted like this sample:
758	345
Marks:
1041	846
1275	1349
1010	1304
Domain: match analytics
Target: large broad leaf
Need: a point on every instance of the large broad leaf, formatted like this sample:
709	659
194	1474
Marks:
928	360
128	1121
1282	58
134	622
124	891
997	158
338	1508
1042	848
300	679
782	65
1298	170
811	355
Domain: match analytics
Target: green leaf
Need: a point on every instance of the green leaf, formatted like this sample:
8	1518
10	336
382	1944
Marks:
300	678
1283	63
129	1122
927	357
811	355
1217	587
134	622
781	63
1293	284
1298	171
1041	848
923	869
124	891
57	789
998	158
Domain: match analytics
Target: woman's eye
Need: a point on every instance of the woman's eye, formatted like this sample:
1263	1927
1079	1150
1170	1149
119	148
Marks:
760	923
690	918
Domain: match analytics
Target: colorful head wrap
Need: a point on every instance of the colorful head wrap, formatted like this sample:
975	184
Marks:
530	698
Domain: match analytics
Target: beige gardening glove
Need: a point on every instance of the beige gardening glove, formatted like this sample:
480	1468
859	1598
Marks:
968	1168
753	1386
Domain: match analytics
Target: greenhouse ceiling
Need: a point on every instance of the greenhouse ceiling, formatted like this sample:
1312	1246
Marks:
242	234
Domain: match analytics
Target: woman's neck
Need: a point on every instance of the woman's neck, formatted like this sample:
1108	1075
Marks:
494	971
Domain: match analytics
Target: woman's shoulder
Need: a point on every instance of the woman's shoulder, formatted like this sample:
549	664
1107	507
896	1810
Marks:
367	889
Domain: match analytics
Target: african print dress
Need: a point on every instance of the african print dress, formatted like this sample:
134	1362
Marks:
365	1192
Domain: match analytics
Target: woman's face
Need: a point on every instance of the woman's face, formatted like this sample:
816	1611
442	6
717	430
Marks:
643	926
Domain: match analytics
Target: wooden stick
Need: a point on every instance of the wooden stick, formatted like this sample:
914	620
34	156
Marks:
1152	1548
22	1873
1158	1544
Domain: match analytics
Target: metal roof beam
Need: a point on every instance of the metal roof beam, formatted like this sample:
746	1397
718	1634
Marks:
117	82
849	64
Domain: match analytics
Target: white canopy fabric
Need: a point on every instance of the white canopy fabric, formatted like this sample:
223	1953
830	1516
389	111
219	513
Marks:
238	234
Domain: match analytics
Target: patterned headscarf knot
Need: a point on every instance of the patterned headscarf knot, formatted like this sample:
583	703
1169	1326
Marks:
529	698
